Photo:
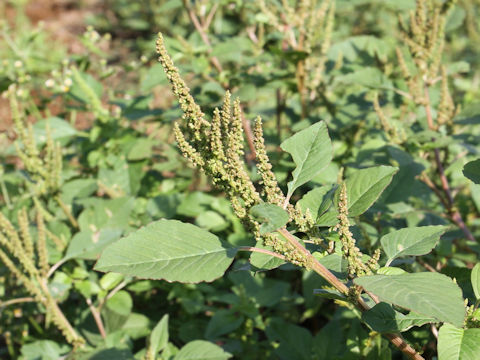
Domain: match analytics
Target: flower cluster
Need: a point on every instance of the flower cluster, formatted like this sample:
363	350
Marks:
217	148
356	265
28	262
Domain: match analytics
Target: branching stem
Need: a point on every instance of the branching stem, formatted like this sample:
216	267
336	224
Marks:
395	339
453	213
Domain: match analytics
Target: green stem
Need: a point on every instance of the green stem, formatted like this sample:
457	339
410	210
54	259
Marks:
67	212
5	194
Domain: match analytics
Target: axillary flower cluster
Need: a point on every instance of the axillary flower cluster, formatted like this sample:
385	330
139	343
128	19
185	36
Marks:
217	148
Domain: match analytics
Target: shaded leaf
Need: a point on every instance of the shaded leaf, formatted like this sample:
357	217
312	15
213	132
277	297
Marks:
383	318
294	342
223	322
472	171
202	350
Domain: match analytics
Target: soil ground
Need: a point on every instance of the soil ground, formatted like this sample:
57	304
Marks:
63	19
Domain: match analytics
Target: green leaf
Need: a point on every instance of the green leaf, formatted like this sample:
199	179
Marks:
170	250
475	278
367	76
59	129
142	149
472	171
105	354
110	280
294	342
458	344
202	350
158	338
264	261
44	350
136	326
412	241
223	322
390	270
117	310
365	186
272	217
318	200
383	318
154	76
430	294
88	244
311	150
211	220
329	294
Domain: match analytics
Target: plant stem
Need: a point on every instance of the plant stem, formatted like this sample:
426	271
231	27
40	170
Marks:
453	213
97	318
6	197
247	129
201	31
67	212
15	301
395	339
56	266
262	251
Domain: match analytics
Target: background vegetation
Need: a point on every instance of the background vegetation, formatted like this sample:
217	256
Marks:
89	156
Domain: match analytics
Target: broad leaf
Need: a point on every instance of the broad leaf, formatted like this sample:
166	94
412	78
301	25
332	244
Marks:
318	201
44	350
430	294
88	244
272	217
117	310
390	270
59	129
472	171
311	150
475	278
137	326
158	338
458	344
412	241
365	186
223	322
202	350
170	250
383	318
294	342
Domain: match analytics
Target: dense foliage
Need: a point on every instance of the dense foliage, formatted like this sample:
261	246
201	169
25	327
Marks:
292	180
